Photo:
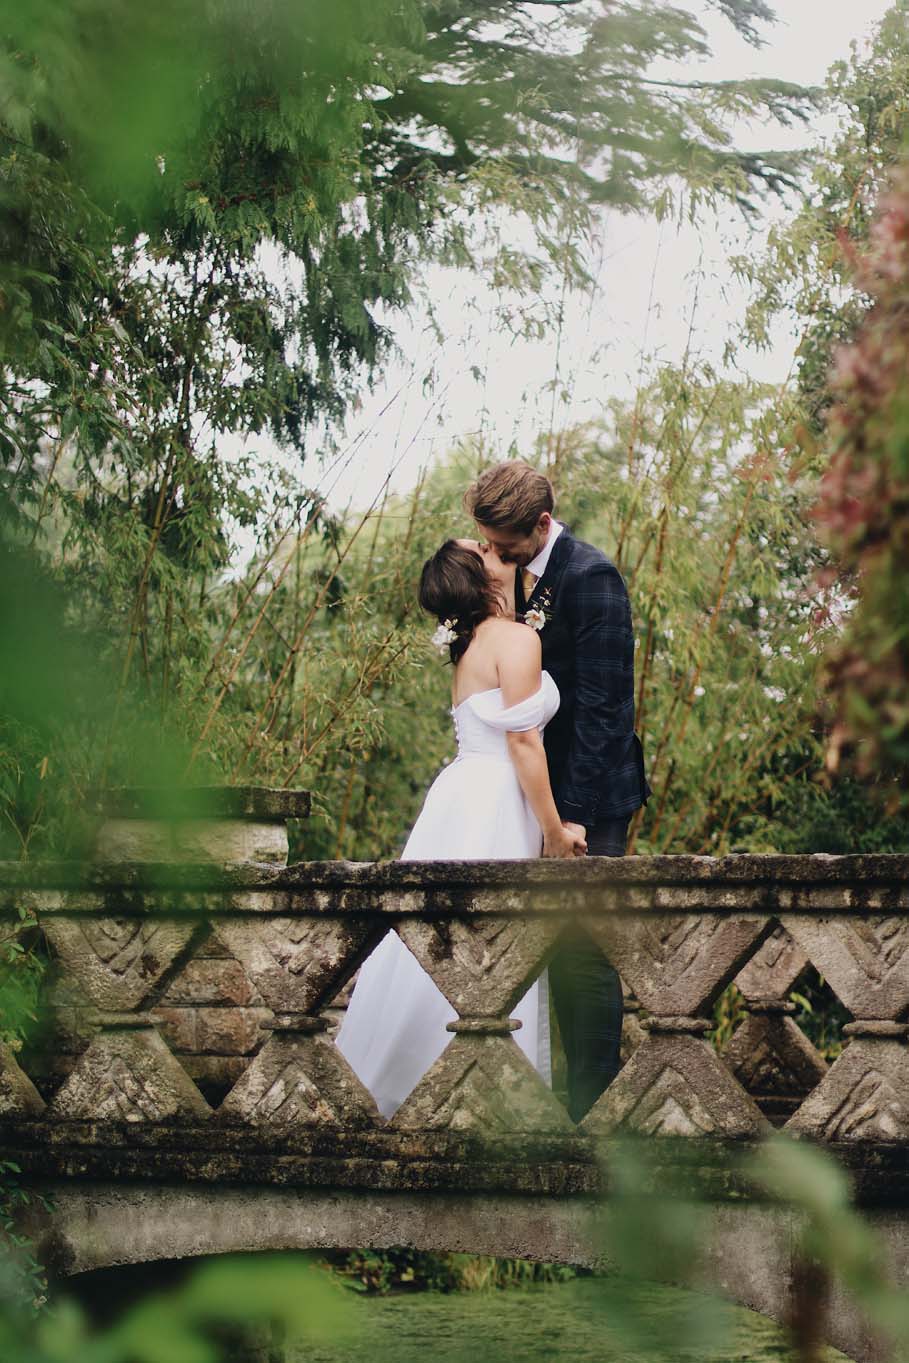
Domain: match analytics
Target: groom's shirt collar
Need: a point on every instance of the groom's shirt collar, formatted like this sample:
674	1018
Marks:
537	565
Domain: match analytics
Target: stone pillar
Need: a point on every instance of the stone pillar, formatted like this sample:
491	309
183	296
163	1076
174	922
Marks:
769	1055
482	1083
298	965
207	1010
674	1084
864	1096
204	823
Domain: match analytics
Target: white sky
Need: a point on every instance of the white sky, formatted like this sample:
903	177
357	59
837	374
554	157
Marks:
402	426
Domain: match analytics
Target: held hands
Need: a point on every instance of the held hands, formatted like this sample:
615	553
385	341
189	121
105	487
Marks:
565	840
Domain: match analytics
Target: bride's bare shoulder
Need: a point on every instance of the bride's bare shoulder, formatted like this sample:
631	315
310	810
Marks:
513	637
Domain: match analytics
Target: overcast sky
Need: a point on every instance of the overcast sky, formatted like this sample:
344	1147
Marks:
657	286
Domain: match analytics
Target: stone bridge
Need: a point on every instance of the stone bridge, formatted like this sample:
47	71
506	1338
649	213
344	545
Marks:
185	1095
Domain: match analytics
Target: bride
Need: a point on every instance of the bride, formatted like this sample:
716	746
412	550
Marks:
493	802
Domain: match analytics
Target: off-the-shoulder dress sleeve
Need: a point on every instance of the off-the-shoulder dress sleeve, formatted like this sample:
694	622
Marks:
515	719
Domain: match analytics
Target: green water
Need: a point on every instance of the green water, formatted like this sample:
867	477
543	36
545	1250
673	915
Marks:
584	1321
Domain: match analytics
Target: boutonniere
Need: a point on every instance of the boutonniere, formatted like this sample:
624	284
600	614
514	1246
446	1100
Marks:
537	616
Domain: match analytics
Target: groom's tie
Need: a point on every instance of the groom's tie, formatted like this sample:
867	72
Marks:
528	582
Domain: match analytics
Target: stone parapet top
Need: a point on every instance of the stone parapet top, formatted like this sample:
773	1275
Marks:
219	1152
817	884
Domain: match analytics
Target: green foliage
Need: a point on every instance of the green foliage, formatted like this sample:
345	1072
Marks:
729	631
834	1239
376	1271
204	242
21	975
23	1281
655	1227
193	1323
68	725
840	267
819	1014
863	511
806	271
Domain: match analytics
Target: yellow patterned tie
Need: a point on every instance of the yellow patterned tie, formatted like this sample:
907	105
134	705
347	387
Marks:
528	582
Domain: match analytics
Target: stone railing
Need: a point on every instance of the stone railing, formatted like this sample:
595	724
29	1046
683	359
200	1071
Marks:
182	1094
196	997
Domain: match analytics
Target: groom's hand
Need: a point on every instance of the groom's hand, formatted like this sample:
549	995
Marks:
579	833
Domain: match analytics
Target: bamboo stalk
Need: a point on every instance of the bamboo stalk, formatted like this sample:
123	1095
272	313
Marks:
168	636
749	809
317	503
712	622
648	641
357	685
672	476
266	563
301	633
58	450
345	810
260	726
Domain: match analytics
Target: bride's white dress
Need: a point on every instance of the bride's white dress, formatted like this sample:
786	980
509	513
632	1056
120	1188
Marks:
475	810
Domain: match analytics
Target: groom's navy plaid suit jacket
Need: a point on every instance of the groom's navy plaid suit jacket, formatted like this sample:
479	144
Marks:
595	761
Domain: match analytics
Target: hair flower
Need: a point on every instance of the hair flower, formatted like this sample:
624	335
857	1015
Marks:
535	618
444	636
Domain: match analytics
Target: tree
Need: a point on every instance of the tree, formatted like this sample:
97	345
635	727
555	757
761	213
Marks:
840	269
863	511
151	153
209	215
807	272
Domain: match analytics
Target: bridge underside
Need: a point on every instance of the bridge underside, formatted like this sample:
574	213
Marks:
122	1194
747	1255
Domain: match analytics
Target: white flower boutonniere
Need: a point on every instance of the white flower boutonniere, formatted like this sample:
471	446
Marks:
444	636
537	616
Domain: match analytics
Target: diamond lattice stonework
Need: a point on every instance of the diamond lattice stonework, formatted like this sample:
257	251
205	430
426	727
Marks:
677	965
297	964
774	1061
774	967
865	960
300	1080
674	1085
129	1076
864	1097
483	966
116	961
486	1085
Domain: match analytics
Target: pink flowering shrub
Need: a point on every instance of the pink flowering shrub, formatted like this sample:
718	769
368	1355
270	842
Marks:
862	512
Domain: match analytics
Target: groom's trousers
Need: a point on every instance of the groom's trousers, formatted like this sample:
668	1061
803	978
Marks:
587	996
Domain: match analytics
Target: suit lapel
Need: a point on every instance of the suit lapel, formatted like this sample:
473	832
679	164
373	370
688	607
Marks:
549	582
520	604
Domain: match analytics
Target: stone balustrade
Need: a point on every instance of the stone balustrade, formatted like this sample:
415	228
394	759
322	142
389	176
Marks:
186	1044
197	993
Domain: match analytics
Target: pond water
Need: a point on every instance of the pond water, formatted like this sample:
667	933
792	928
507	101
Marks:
583	1321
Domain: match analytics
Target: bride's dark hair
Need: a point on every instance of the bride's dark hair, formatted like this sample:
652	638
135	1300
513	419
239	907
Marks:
455	586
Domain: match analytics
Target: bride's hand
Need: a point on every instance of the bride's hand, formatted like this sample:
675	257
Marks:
559	842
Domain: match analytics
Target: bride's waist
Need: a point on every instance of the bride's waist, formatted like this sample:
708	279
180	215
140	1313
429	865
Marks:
478	755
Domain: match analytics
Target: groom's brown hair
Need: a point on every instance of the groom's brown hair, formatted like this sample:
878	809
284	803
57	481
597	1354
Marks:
511	495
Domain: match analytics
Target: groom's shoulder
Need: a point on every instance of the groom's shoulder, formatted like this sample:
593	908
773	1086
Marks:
582	557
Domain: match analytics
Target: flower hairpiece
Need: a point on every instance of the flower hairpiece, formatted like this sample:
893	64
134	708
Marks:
445	635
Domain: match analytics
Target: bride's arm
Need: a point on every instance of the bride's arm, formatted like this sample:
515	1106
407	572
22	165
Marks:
520	677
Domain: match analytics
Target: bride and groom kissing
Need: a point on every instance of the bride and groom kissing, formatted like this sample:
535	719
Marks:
537	626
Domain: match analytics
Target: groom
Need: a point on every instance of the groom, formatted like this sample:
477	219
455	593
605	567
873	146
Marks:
577	599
